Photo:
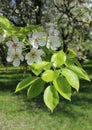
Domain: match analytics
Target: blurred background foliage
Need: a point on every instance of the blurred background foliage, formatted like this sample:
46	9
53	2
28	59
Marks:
73	18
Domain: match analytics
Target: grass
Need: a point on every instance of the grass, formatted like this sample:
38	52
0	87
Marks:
19	113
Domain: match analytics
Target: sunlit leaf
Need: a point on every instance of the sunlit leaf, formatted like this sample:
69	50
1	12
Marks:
51	97
36	88
48	75
25	83
79	71
71	77
63	87
58	59
71	53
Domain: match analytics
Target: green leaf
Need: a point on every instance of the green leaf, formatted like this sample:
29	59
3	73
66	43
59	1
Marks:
71	77
75	61
48	76
36	88
58	59
79	71
63	87
25	83
4	22
42	65
36	71
37	68
51	97
71	53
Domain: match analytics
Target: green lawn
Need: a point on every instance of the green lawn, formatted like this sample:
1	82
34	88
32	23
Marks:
19	113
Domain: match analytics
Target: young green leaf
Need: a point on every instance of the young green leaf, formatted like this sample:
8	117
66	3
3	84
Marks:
63	87
36	88
71	77
4	22
48	76
41	65
51	97
36	71
58	59
25	83
71	53
79	71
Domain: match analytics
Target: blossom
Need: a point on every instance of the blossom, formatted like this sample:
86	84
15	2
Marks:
37	40
34	56
15	57
15	44
53	42
53	31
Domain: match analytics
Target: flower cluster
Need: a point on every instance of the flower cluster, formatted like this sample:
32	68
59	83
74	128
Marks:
36	42
15	51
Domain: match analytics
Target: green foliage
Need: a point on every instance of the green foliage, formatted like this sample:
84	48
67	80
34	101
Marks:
25	83
12	30
36	88
63	87
61	72
51	97
48	75
71	77
4	22
58	59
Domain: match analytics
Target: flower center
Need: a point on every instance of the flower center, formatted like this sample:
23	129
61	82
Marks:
15	45
52	33
50	43
16	55
36	40
33	54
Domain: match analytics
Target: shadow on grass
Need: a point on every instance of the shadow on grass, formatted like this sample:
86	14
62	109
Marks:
79	106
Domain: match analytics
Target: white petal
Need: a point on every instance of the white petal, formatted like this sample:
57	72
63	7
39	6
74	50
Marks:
35	45
27	56
16	62
21	44
21	58
29	62
41	52
42	43
15	39
9	59
9	43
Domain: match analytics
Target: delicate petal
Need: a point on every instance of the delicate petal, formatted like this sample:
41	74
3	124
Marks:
53	42
33	56
21	58
15	39
21	44
9	58
27	56
16	62
9	43
53	32
42	42
41	52
37	40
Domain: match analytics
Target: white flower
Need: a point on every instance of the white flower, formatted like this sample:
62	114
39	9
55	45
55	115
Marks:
37	40
15	57
53	42
53	32
34	56
15	44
